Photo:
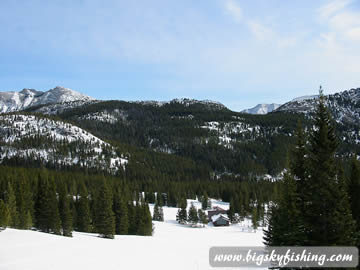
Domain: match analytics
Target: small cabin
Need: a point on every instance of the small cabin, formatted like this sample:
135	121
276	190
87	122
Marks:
220	220
215	211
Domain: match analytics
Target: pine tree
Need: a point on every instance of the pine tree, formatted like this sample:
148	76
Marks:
181	216
231	212
10	200
204	201
254	218
54	217
159	199
158	213
64	211
202	217
4	215
327	217
121	215
24	204
146	221
132	227
46	206
193	215
28	221
83	216
284	225
104	215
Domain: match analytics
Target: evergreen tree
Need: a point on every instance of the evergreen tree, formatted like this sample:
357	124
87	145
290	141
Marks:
158	213
254	218
145	222
104	215
202	217
284	225
181	215
10	200
28	221
64	211
4	215
231	212
24	204
121	215
159	199
132	228
83	216
204	201
46	207
327	216
193	215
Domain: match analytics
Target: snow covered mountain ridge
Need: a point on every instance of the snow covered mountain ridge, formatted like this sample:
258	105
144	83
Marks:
40	139
15	101
185	101
262	108
345	106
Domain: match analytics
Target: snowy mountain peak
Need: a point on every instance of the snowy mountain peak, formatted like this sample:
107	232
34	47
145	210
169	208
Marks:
15	101
262	108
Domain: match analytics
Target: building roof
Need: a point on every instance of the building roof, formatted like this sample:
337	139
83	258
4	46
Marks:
216	217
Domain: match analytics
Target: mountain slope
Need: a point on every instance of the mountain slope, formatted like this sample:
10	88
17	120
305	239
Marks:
345	106
262	108
16	101
56	143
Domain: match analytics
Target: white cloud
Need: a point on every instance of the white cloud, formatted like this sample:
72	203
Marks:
343	24
260	31
234	10
333	7
353	34
344	20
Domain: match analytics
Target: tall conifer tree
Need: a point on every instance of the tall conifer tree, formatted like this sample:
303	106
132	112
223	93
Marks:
105	220
327	216
4	215
83	216
64	210
10	200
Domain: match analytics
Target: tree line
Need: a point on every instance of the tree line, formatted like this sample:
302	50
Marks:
60	202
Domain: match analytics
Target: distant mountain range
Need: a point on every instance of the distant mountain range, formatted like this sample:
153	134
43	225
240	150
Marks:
262	108
16	101
192	138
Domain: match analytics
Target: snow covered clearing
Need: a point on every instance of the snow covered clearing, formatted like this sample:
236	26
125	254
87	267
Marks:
173	246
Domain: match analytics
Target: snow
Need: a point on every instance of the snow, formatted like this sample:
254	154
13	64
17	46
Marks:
262	108
173	246
215	217
302	98
106	116
184	101
17	127
15	101
228	133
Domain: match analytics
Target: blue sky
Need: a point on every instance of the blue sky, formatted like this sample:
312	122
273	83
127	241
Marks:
238	52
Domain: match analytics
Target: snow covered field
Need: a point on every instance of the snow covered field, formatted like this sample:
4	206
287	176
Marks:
173	246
